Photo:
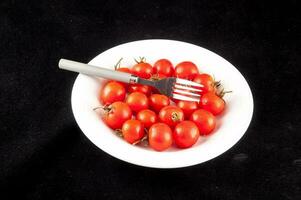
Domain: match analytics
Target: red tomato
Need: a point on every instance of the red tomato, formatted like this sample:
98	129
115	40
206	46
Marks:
158	101
124	69
143	70
204	120
132	131
171	115
164	66
186	70
112	92
207	81
116	114
160	137
145	89
188	107
137	101
185	134
213	103
147	117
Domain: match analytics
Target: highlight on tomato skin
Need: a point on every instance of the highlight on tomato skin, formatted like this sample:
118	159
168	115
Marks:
145	89
116	114
186	70
142	69
186	134
188	107
171	115
112	92
132	131
212	103
164	67
147	117
204	120
158	101
137	101
160	136
207	81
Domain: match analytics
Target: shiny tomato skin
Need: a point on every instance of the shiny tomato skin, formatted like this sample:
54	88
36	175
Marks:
160	137
137	101
145	89
124	69
186	70
164	67
171	115
132	131
147	117
207	81
204	120
112	92
212	103
158	101
188	107
143	70
185	134
116	114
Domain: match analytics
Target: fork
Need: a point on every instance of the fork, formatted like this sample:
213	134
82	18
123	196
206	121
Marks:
173	87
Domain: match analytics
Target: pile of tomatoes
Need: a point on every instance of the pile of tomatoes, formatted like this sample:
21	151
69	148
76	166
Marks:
140	114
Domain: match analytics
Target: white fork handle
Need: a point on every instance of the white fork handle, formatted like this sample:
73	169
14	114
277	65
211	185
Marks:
96	71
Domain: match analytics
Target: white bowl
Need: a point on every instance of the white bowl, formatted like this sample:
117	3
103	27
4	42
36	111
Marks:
231	125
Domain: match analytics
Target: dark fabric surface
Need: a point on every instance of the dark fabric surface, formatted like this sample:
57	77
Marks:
44	155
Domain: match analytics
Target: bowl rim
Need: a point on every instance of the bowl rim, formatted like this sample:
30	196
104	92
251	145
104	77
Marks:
156	165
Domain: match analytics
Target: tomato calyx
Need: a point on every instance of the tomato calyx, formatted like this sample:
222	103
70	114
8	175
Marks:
175	117
221	93
118	64
106	109
140	60
143	141
118	132
219	88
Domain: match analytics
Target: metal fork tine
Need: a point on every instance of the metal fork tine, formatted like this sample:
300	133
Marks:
187	88
184	98
186	92
186	82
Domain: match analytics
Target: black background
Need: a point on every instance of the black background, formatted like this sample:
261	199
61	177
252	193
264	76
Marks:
44	155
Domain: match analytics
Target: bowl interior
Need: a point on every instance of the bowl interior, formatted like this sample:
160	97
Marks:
231	125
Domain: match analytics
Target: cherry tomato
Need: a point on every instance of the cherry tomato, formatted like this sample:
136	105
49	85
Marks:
147	117
112	92
132	130
142	69
160	136
212	103
185	134
137	101
164	66
207	81
116	114
204	120
145	89
186	70
158	101
188	107
171	115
